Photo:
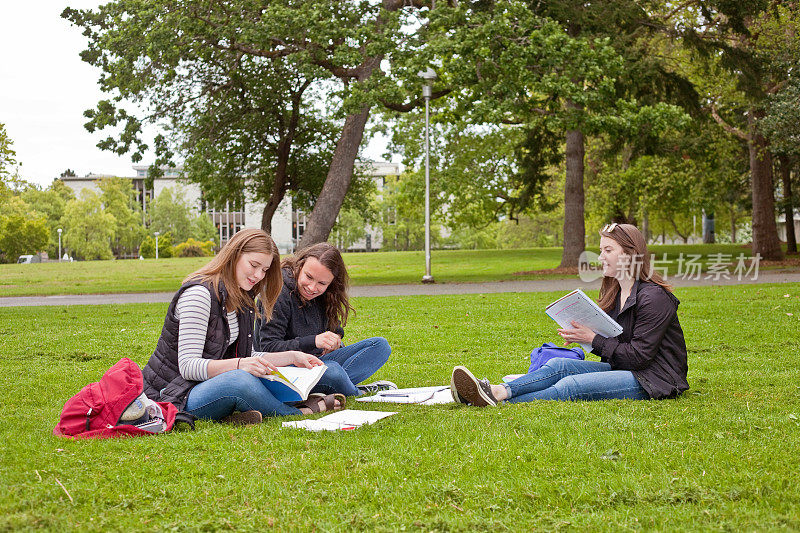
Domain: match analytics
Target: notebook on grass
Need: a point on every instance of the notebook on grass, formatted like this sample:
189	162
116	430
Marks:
340	420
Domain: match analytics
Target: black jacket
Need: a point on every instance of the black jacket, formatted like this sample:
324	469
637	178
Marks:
295	323
651	344
162	379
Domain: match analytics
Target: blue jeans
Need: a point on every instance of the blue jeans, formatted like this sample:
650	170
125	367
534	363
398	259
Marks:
361	359
237	390
573	379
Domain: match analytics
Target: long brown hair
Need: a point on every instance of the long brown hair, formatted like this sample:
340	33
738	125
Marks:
633	244
223	268
337	302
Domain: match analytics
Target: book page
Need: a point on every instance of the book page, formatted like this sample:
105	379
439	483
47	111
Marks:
292	384
302	379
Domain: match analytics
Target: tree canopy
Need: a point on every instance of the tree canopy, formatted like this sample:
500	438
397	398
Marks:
237	86
266	100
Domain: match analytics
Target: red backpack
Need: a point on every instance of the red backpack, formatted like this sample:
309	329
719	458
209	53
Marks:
96	410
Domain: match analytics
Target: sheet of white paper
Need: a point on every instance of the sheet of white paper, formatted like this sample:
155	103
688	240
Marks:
440	397
421	395
340	420
316	425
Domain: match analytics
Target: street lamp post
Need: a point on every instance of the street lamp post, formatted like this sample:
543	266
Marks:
59	244
428	76
156	244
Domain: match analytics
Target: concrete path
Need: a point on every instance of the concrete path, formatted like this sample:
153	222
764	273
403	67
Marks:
547	285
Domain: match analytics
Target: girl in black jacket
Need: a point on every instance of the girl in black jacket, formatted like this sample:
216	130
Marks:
311	313
647	360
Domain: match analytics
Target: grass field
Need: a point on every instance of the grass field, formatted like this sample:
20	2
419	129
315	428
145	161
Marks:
721	457
378	268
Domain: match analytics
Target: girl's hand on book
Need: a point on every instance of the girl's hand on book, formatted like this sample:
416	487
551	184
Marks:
578	333
305	360
257	366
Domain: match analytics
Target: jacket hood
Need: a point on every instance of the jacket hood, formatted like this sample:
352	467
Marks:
288	279
654	285
673	298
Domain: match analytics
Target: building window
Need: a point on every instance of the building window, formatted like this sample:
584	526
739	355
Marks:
144	198
228	218
299	222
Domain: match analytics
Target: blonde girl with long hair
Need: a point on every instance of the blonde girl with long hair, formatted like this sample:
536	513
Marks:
204	362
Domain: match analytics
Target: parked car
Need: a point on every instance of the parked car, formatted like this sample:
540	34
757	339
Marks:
30	259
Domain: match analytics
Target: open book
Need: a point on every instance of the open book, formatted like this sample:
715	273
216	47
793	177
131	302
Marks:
291	383
582	309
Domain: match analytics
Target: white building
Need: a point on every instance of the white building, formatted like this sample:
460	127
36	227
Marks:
782	225
288	225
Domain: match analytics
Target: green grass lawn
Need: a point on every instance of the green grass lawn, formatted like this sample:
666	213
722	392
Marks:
378	268
721	457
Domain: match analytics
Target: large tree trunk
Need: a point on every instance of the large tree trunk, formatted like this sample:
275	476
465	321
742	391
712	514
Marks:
277	193
765	229
279	186
709	228
325	211
574	230
646	225
788	204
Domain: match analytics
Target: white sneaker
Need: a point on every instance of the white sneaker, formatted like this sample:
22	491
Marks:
376	386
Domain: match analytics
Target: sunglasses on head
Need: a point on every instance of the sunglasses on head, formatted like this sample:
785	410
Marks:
608	228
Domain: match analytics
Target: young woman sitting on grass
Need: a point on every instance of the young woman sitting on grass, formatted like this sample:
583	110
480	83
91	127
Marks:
204	361
646	361
310	315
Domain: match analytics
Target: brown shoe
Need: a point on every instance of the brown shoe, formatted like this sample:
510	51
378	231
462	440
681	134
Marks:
475	392
245	418
319	403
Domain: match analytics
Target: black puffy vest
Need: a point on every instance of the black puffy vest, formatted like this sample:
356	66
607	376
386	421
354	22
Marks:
162	379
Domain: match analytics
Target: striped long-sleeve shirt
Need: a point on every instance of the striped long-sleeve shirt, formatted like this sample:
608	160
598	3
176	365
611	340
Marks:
193	311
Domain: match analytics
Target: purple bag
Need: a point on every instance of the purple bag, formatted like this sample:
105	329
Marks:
548	350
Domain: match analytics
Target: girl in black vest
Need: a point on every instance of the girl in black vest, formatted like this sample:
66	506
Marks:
646	361
204	361
310	315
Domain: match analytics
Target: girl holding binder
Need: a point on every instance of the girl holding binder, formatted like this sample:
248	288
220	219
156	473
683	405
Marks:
204	362
646	361
310	315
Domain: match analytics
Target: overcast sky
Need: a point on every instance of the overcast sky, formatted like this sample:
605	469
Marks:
45	88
